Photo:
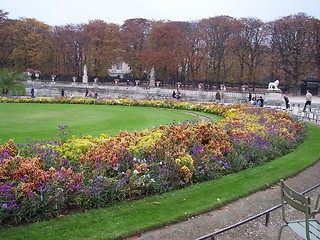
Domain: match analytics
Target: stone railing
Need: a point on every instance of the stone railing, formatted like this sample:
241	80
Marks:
75	89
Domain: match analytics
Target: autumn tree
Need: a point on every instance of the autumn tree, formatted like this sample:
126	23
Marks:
315	45
217	50
165	47
67	43
249	45
103	47
292	48
6	46
31	45
134	34
216	33
195	53
190	53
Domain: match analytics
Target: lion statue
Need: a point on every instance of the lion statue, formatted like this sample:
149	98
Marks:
273	85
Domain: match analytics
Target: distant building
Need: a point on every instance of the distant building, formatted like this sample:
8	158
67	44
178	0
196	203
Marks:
119	69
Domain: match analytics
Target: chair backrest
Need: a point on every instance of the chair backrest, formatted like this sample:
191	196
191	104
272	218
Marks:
296	200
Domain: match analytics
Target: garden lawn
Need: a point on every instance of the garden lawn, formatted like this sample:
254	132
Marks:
129	218
20	121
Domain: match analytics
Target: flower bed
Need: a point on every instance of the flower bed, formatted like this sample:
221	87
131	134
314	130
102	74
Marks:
39	180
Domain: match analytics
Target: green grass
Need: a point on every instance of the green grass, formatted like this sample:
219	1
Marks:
133	217
41	121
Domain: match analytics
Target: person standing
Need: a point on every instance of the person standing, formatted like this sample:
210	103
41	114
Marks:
87	92
218	95
174	94
32	92
308	100
178	94
62	93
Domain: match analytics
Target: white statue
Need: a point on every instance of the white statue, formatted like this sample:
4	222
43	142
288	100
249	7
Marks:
152	82
85	70
85	74
152	74
273	85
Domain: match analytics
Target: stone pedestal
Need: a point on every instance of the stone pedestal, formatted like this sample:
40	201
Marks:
152	83
84	79
274	97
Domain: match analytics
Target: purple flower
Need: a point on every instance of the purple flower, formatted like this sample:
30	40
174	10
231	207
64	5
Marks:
197	149
62	127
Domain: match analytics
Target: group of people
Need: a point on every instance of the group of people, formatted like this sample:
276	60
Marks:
307	103
89	94
177	95
220	95
259	102
63	94
256	102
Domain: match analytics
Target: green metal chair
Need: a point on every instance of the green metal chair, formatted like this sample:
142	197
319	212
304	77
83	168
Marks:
308	227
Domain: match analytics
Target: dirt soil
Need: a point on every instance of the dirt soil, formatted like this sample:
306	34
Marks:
240	210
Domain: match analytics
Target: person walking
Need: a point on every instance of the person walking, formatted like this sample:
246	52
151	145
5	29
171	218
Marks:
286	99
308	100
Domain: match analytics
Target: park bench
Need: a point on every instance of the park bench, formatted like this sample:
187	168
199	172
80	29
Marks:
308	227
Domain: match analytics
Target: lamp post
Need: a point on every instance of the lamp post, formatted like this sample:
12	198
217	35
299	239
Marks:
29	74
30	71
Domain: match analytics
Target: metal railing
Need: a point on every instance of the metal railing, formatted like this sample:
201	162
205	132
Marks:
266	213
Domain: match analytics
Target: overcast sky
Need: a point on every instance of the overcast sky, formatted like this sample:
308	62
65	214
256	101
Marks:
63	12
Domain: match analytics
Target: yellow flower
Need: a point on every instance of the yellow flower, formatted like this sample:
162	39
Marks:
103	136
88	137
186	161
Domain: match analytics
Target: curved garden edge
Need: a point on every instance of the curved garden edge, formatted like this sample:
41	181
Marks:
196	199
